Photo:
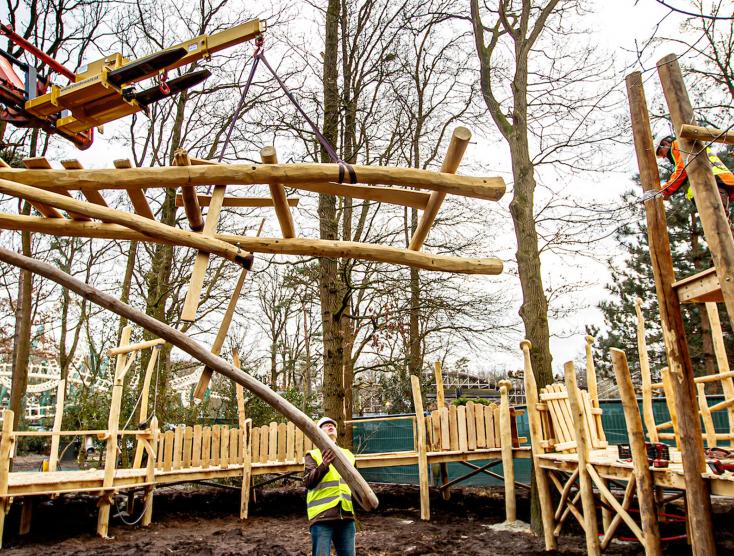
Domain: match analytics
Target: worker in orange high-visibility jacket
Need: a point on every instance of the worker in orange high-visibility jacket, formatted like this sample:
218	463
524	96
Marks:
329	500
667	148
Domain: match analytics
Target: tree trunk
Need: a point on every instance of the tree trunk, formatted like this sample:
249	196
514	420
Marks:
22	333
126	283
330	286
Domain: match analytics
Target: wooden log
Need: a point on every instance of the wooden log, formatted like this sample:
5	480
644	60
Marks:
698	133
144	397
593	389
135	194
582	449
459	141
277	246
670	395
508	467
135	347
643	477
438	374
420	446
725	374
113	425
246	470
44	209
708	422
280	200
92	195
361	492
6	447
188	194
53	458
645	375
150	473
614	525
206	374
131	221
246	202
536	437
300	176
671	320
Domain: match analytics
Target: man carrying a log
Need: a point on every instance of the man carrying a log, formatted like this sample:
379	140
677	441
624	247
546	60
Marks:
329	500
668	148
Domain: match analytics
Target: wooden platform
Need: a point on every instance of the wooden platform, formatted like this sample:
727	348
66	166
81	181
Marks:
700	288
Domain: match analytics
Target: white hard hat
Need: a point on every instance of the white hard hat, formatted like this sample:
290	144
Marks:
660	137
325	420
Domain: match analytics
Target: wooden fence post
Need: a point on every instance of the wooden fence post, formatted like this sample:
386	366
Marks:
6	446
150	472
420	445
508	468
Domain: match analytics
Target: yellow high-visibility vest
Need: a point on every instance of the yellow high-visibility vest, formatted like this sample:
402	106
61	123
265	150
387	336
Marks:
331	491
717	167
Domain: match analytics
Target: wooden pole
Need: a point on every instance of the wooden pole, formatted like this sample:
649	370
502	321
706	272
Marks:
113	424
697	133
643	477
536	435
280	199
694	464
646	375
508	466
582	449
459	141
361	492
144	397
420	446
135	347
6	446
670	400
188	194
245	443
206	374
727	383
716	227
150	472
591	384
53	458
276	246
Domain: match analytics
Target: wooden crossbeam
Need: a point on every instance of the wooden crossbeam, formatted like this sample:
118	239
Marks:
92	195
136	194
459	142
282	210
310	177
244	202
193	295
697	133
206	374
276	246
188	195
47	211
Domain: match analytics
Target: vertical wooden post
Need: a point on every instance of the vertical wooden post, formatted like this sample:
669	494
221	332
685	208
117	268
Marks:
646	375
643	477
26	514
53	458
727	384
280	199
150	472
459	141
6	446
694	464
536	435
582	449
188	194
508	466
113	424
670	400
440	404
714	221
420	444
144	397
245	443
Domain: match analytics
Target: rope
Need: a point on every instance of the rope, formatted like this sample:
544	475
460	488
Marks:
259	55
122	518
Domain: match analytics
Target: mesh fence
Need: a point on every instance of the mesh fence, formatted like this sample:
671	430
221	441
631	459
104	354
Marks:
372	436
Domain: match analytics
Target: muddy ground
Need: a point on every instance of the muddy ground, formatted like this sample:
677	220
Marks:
193	520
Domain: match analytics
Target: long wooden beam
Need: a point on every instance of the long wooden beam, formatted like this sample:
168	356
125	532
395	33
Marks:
294	175
47	211
459	141
41	163
361	491
150	229
697	133
188	195
248	202
136	194
280	200
92	195
275	246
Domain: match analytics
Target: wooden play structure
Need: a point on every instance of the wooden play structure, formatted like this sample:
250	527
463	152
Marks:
186	454
569	448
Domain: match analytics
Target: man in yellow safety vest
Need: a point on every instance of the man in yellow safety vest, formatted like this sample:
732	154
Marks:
667	148
329	500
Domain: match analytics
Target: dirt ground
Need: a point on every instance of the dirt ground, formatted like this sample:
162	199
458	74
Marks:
202	520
